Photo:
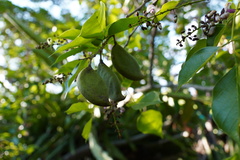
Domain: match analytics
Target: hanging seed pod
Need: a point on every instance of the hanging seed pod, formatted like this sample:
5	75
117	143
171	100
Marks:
125	63
112	82
92	87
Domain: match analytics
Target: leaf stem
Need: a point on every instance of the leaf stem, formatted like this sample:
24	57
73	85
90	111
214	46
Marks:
130	35
138	9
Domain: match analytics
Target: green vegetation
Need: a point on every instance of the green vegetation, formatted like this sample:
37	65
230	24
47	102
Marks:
127	80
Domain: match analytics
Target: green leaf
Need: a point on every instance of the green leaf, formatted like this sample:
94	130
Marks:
166	8
150	98
81	65
214	39
124	24
79	41
87	129
68	54
77	107
199	45
150	122
68	83
70	34
68	67
195	63
226	105
95	26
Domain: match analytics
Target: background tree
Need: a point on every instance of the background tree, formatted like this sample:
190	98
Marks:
161	117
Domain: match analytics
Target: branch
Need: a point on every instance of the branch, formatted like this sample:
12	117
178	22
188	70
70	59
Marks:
138	9
83	150
129	36
151	55
197	87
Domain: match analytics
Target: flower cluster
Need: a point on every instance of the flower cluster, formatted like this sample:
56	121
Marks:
188	34
50	42
213	18
43	45
57	78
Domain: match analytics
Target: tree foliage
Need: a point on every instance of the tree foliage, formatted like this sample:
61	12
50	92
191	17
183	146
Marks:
175	111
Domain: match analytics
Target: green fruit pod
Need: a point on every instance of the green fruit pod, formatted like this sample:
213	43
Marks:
112	82
92	87
125	63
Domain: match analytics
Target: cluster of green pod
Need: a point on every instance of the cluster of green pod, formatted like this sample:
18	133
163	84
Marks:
125	63
101	86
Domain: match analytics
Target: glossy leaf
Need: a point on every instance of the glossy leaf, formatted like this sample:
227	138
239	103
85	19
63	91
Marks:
123	24
77	107
70	34
199	45
68	54
166	8
226	104
81	65
150	122
214	39
195	63
87	129
79	41
150	98
68	83
95	26
68	67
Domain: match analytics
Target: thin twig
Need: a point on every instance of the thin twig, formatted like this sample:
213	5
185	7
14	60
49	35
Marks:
138	9
129	36
168	10
177	7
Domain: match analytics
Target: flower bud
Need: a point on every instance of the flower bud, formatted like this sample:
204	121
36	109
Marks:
224	15
151	9
211	31
231	10
211	13
217	18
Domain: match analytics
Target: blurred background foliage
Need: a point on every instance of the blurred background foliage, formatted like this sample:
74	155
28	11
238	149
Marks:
33	121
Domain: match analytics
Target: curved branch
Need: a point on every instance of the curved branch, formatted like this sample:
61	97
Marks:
130	35
138	9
